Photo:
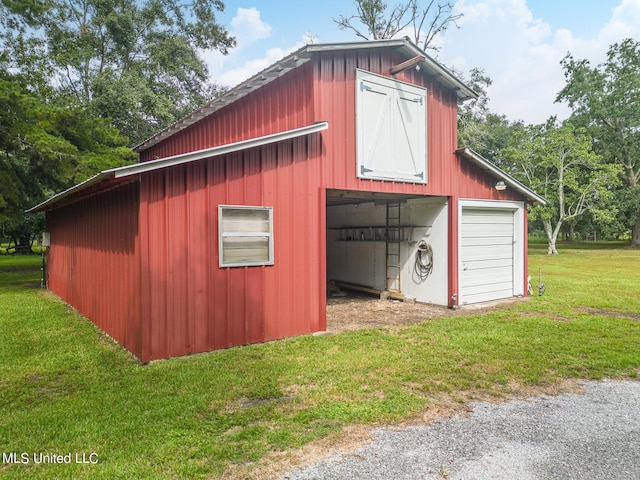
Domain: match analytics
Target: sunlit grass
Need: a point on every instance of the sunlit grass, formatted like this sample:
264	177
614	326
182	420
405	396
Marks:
67	388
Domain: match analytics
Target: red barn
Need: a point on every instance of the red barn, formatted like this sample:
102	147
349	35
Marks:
337	163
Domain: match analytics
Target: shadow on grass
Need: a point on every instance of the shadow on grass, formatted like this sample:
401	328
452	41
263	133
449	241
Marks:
20	271
540	246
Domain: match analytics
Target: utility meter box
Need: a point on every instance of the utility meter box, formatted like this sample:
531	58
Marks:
46	239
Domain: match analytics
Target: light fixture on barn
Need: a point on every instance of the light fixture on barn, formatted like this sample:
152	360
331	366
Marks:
500	186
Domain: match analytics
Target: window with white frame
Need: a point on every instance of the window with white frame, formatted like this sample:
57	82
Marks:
245	235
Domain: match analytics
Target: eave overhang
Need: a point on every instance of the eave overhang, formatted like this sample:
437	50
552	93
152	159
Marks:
106	178
500	174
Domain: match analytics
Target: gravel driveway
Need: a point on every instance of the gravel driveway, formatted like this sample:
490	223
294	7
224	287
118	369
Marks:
595	435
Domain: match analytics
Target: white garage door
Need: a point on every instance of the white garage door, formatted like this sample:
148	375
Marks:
486	254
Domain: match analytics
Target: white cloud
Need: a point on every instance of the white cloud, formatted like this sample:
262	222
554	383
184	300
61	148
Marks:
249	56
234	76
502	37
522	54
624	23
248	27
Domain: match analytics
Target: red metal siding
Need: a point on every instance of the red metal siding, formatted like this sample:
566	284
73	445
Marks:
324	89
283	104
189	303
93	261
449	176
335	101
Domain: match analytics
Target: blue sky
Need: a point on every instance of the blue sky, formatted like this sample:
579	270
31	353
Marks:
519	43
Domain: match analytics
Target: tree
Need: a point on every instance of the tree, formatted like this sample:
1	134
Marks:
606	100
375	21
44	149
136	63
485	132
558	162
472	114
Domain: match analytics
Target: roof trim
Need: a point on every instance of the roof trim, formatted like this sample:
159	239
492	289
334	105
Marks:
486	165
216	151
70	191
463	91
138	168
298	58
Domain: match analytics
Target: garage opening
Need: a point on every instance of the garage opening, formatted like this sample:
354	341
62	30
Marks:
392	244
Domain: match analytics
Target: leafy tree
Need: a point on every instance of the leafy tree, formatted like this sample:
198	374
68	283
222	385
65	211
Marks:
44	149
375	21
136	63
472	114
558	162
606	100
486	132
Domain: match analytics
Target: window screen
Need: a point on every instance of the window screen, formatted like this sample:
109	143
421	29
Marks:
246	235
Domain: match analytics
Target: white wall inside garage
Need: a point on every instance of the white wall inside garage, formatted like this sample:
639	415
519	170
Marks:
363	262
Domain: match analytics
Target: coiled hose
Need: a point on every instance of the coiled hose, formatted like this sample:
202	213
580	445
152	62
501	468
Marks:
424	260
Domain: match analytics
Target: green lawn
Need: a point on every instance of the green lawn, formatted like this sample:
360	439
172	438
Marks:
65	388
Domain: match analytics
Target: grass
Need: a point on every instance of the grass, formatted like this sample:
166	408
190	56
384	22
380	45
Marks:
67	388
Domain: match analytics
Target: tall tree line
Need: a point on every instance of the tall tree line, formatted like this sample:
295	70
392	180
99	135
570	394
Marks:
81	81
136	63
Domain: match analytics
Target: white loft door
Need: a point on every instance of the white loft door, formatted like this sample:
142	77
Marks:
391	129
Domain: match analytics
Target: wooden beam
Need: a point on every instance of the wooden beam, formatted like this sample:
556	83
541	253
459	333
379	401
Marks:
383	295
408	64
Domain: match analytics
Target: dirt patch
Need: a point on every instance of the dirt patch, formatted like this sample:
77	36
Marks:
556	318
245	403
610	313
357	311
276	464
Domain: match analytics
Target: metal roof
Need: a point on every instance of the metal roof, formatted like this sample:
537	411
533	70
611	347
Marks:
138	168
298	58
486	165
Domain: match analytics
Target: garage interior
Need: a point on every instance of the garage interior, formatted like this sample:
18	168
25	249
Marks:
392	244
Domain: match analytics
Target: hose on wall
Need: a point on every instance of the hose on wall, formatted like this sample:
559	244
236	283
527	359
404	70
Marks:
424	260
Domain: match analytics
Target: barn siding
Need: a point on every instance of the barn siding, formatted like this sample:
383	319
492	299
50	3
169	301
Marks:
323	89
283	104
93	261
189	303
447	175
334	92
